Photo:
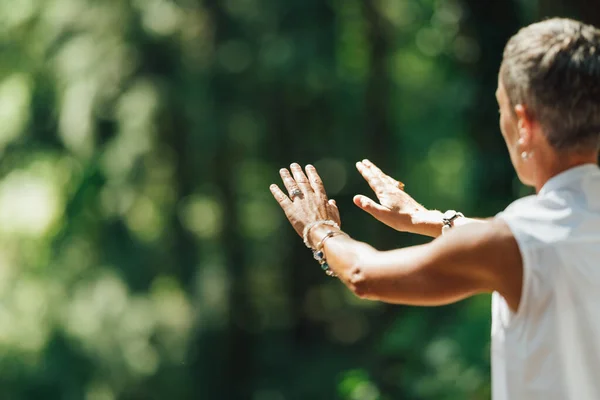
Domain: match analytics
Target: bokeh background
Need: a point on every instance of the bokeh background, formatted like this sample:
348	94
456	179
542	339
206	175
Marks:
141	253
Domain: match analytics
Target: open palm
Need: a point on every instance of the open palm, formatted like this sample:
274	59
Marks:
395	207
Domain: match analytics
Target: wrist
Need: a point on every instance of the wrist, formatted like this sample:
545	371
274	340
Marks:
317	239
431	222
449	218
308	228
427	222
317	233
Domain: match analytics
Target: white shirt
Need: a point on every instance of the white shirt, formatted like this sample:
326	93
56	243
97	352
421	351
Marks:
550	348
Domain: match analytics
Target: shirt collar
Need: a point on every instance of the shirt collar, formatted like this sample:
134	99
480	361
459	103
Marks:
564	178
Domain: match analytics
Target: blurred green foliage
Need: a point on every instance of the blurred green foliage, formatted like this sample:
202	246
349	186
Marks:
141	255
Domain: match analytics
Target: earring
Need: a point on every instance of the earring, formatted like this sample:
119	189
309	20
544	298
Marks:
524	155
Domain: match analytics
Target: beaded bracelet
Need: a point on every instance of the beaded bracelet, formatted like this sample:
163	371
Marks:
319	255
308	227
328	235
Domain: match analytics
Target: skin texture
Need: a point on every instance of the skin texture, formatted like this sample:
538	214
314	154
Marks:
472	258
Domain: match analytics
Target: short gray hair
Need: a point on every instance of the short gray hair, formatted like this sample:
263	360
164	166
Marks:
553	68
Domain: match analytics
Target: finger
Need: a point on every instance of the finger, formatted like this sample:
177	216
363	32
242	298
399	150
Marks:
365	171
300	178
281	198
373	180
315	180
370	206
289	182
375	170
287	205
334	212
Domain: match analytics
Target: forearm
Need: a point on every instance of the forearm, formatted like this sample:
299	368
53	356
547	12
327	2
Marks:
408	276
430	222
405	276
345	256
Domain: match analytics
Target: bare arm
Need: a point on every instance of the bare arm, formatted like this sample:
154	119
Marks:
472	259
430	223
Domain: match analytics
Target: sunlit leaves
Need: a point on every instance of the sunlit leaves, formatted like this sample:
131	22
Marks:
448	159
139	139
202	215
76	119
117	327
24	320
12	15
31	201
135	112
15	97
145	219
401	13
358	385
413	70
450	376
175	317
160	17
260	217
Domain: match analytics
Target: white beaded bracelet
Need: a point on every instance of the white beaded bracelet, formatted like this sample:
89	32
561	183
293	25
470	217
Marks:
308	227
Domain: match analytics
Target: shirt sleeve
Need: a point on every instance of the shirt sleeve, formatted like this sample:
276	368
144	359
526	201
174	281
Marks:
537	273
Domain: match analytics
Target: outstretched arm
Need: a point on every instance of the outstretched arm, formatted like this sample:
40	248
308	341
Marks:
468	260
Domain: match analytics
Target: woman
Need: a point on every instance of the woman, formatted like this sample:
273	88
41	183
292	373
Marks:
540	257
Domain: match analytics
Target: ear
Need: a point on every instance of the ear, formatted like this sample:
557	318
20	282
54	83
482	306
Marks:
524	125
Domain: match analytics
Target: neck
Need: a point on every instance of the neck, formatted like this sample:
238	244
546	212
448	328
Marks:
558	163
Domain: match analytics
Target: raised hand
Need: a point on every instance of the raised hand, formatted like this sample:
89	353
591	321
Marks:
306	200
395	208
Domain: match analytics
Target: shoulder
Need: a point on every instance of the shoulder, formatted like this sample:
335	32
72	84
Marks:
534	206
535	220
487	252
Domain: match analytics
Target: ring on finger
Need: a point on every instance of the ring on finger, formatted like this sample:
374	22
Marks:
400	185
295	193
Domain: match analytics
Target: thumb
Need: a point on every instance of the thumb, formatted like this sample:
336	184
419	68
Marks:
333	209
370	206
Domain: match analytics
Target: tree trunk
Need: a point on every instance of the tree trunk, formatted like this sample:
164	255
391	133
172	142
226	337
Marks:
492	24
